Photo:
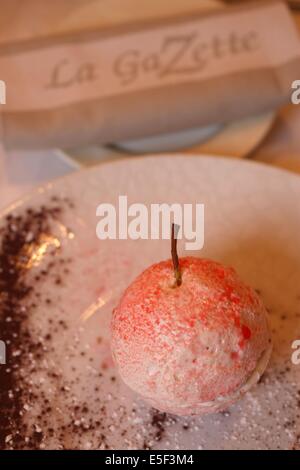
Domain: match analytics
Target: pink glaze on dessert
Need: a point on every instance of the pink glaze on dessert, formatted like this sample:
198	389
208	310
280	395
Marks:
194	348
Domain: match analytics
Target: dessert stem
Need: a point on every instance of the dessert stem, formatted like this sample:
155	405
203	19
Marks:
177	272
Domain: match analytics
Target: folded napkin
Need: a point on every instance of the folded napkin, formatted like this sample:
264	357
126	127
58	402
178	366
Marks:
160	70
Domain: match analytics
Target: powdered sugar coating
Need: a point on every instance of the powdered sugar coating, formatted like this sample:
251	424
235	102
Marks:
189	349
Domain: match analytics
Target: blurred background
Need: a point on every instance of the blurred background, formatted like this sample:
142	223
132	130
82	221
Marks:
238	107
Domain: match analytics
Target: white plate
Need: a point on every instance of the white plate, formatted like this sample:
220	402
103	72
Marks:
238	140
77	399
23	170
172	142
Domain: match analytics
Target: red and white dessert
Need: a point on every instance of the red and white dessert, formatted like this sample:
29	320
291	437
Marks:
192	348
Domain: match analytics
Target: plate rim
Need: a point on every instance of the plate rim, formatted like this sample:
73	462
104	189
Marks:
44	187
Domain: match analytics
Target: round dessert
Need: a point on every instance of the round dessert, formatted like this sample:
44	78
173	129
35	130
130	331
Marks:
193	346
